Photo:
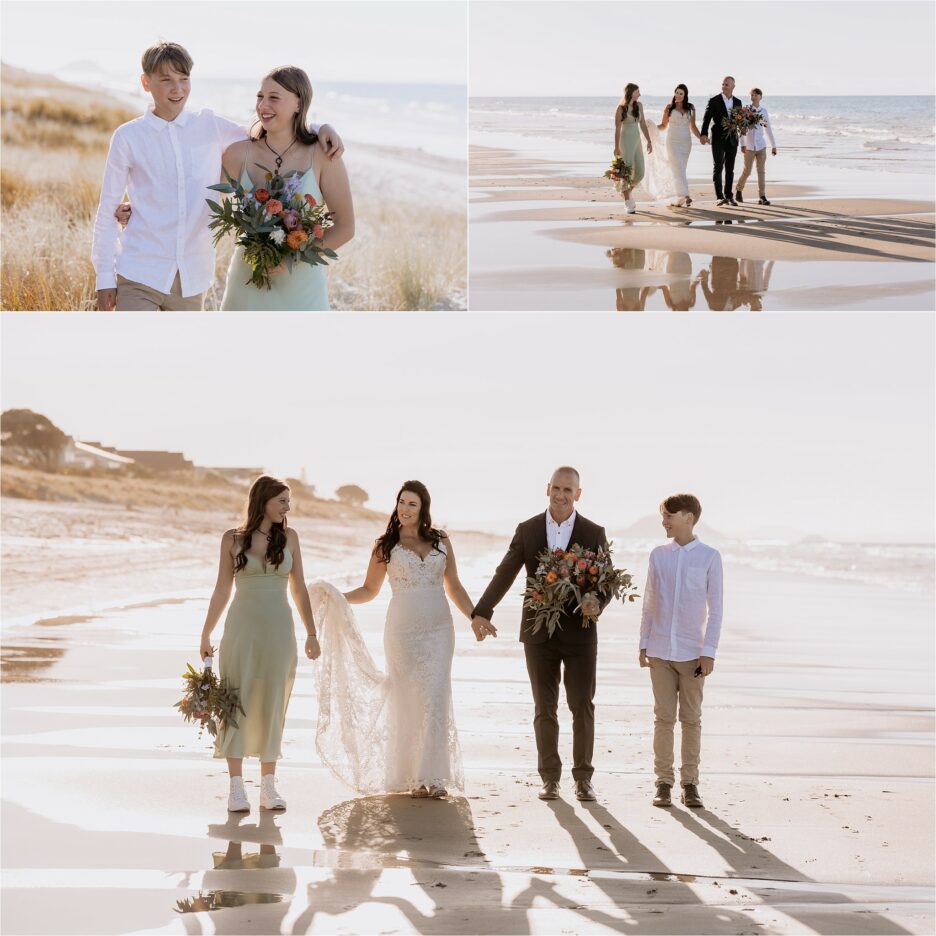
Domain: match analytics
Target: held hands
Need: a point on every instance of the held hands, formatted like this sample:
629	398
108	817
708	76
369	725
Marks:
482	628
312	649
331	141
704	139
107	299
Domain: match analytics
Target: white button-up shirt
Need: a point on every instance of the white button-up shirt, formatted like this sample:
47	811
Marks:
559	534
729	102
682	603
166	166
756	138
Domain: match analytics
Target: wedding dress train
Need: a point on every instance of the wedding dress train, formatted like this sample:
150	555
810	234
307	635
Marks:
395	731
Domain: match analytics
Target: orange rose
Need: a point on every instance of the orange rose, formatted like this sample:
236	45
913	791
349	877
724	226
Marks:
537	596
569	557
312	202
318	232
551	577
295	239
274	206
262	195
593	570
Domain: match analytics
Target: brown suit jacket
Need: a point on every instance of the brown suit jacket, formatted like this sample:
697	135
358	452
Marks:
528	542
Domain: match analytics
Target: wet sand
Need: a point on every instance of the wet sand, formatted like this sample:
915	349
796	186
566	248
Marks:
817	775
812	239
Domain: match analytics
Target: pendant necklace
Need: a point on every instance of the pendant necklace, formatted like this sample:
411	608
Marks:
279	156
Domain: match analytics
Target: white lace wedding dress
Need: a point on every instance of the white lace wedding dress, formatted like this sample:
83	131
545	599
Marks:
394	731
678	148
660	181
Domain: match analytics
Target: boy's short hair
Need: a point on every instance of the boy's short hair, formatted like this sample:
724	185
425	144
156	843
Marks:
677	502
166	54
757	91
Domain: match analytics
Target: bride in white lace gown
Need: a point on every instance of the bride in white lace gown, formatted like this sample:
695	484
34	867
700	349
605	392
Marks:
679	122
394	731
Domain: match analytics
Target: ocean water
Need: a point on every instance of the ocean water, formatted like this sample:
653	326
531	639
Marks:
906	567
427	117
893	133
431	118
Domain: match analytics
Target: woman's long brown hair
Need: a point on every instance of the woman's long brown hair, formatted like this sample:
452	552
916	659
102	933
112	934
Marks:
263	490
296	80
626	102
384	545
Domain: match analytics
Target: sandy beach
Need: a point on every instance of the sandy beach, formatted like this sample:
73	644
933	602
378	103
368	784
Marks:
817	766
553	234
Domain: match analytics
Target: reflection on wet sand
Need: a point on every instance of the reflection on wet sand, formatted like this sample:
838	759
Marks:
222	900
727	283
23	663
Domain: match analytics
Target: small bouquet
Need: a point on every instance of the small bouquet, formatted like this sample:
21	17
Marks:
567	575
741	120
620	174
274	225
208	700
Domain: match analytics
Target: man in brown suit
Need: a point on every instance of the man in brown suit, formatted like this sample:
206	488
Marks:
572	647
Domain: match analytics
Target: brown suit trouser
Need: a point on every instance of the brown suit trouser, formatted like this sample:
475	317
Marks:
548	663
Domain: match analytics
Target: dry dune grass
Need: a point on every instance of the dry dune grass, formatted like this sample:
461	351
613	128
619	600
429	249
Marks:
55	140
188	491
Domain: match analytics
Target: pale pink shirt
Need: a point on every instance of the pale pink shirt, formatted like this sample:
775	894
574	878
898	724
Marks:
682	603
559	534
166	167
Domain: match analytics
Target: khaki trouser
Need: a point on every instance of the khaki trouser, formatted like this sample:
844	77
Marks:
674	685
749	157
135	297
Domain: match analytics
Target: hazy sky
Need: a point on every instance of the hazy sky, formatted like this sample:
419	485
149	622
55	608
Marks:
361	40
786	47
823	423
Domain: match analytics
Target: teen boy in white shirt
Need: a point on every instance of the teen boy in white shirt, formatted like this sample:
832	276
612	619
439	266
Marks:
679	629
754	148
166	160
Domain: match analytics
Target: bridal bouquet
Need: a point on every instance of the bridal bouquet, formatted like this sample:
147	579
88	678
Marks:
208	700
620	174
742	119
563	576
274	225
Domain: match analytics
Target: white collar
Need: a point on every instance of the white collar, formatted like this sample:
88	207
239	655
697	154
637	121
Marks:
157	123
690	545
550	520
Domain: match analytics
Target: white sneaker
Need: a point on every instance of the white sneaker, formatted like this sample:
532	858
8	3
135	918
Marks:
237	798
630	206
269	798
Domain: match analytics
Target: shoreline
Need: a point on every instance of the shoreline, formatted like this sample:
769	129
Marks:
547	233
